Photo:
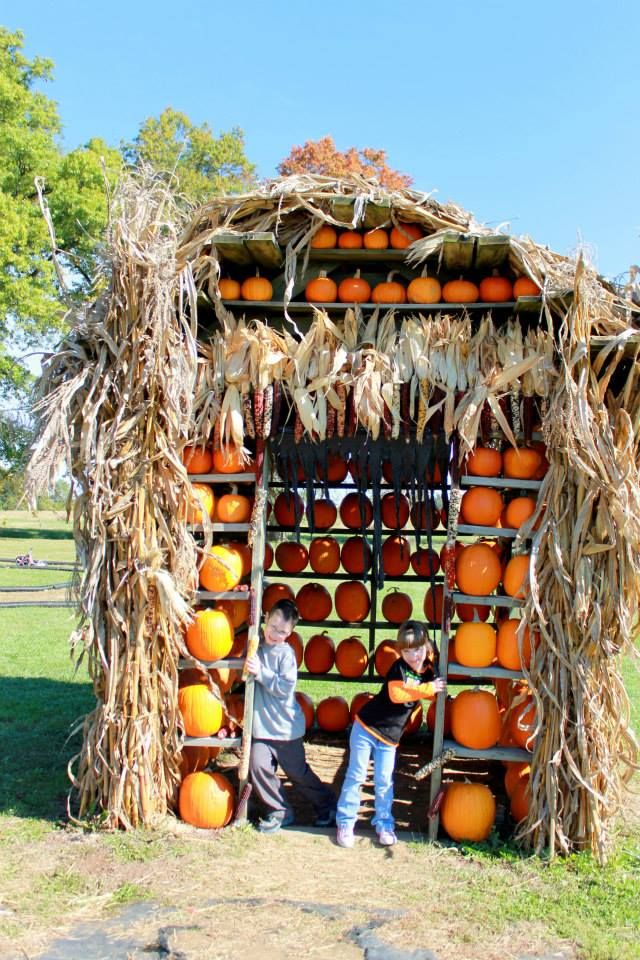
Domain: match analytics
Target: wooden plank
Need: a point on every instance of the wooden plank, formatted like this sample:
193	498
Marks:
221	527
223	477
377	214
500	483
493	753
475	530
497	601
491	251
231	247
234	663
225	595
484	673
457	251
342	209
362	255
211	742
264	248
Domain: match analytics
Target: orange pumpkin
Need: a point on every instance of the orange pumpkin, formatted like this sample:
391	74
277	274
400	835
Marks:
396	556
243	550
357	702
520	799
236	610
356	556
268	556
521	463
540	447
332	714
239	647
475	644
291	556
471	611
522	723
414	722
221	570
397	607
496	289
431	716
424	290
306	705
193	758
205	503
350	240
423	513
322	289
468	811
325	238
351	657
275	592
200	709
319	653
257	288
518	511
210	634
314	602
404	234
460	291
389	291
352	601
425	562
433	603
507	649
394	512
233	508
197	459
324	555
356	511
229	289
224	678
514	771
481	506
377	239
478	570
295	641
206	800
516	577
288	510
230	460
335	470
385	656
475	719
324	514
354	289
525	287
484	462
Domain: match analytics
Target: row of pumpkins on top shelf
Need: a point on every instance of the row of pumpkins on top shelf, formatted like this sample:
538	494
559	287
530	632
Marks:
356	289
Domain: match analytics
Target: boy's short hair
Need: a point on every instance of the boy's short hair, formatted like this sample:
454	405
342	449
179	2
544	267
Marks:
287	609
411	634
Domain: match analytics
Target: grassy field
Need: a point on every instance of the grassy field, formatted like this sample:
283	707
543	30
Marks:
477	900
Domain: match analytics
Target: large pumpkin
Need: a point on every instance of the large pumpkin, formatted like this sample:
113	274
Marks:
481	506
197	459
516	577
275	592
475	644
306	705
460	291
354	289
356	556
291	556
396	556
206	800
210	635
256	288
496	289
322	289
324	514
434	603
521	463
484	462
244	551
352	601
403	234
332	714
424	290
236	610
394	511
288	509
507	648
425	562
314	602
468	811
397	607
478	570
522	723
204	505
351	657
356	511
475	719
221	570
233	508
201	711
230	460
385	656
319	653
324	555
295	642
326	237
357	702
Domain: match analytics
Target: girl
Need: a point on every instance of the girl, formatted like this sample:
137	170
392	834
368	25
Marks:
377	730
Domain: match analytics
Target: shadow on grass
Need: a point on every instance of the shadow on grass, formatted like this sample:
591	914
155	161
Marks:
36	718
33	533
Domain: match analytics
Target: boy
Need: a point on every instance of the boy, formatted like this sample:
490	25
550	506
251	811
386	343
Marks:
279	727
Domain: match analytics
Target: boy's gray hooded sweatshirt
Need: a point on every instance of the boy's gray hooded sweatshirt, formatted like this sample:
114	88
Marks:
276	712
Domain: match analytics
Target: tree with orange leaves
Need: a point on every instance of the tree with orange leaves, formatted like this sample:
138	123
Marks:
323	157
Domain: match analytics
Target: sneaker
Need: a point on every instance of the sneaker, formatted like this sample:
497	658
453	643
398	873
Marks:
326	819
275	822
387	838
345	837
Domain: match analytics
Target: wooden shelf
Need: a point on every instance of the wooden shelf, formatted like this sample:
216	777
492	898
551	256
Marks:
234	663
493	753
354	531
223	477
505	483
299	306
212	741
469	529
497	601
219	527
483	673
313	577
226	595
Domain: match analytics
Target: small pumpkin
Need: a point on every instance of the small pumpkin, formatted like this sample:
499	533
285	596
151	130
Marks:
521	463
496	289
425	562
516	577
291	556
460	291
475	719
523	723
475	644
314	602
356	511
275	592
350	240
525	287
357	702
515	770
319	653
206	800
481	506
325	238
224	678
389	291
308	709
233	508
334	470
197	459
414	722
397	607
231	460
268	556
324	555
295	642
322	289
332	714
433	603
394	511
396	556
352	601
354	289
518	512
403	234
205	503
385	656
424	289
470	611
221	570
236	610
356	556
288	509
478	570
508	647
484	462
377	239
257	288
468	811
324	513
230	289
351	657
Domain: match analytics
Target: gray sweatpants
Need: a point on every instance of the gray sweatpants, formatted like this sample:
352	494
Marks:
266	756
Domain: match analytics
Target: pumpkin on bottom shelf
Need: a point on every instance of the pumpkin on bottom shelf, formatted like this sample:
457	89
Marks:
332	714
206	800
351	657
468	811
306	705
201	711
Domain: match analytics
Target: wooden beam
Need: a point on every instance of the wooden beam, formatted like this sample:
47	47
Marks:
491	251
342	209
377	214
457	251
264	248
231	247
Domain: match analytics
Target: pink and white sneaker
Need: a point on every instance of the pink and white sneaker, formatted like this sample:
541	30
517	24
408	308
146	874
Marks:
386	838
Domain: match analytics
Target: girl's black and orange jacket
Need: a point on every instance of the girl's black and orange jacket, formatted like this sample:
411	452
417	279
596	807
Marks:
386	715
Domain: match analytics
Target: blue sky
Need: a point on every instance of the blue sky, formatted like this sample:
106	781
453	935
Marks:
520	112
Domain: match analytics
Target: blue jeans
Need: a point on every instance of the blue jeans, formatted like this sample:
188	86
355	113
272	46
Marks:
362	745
